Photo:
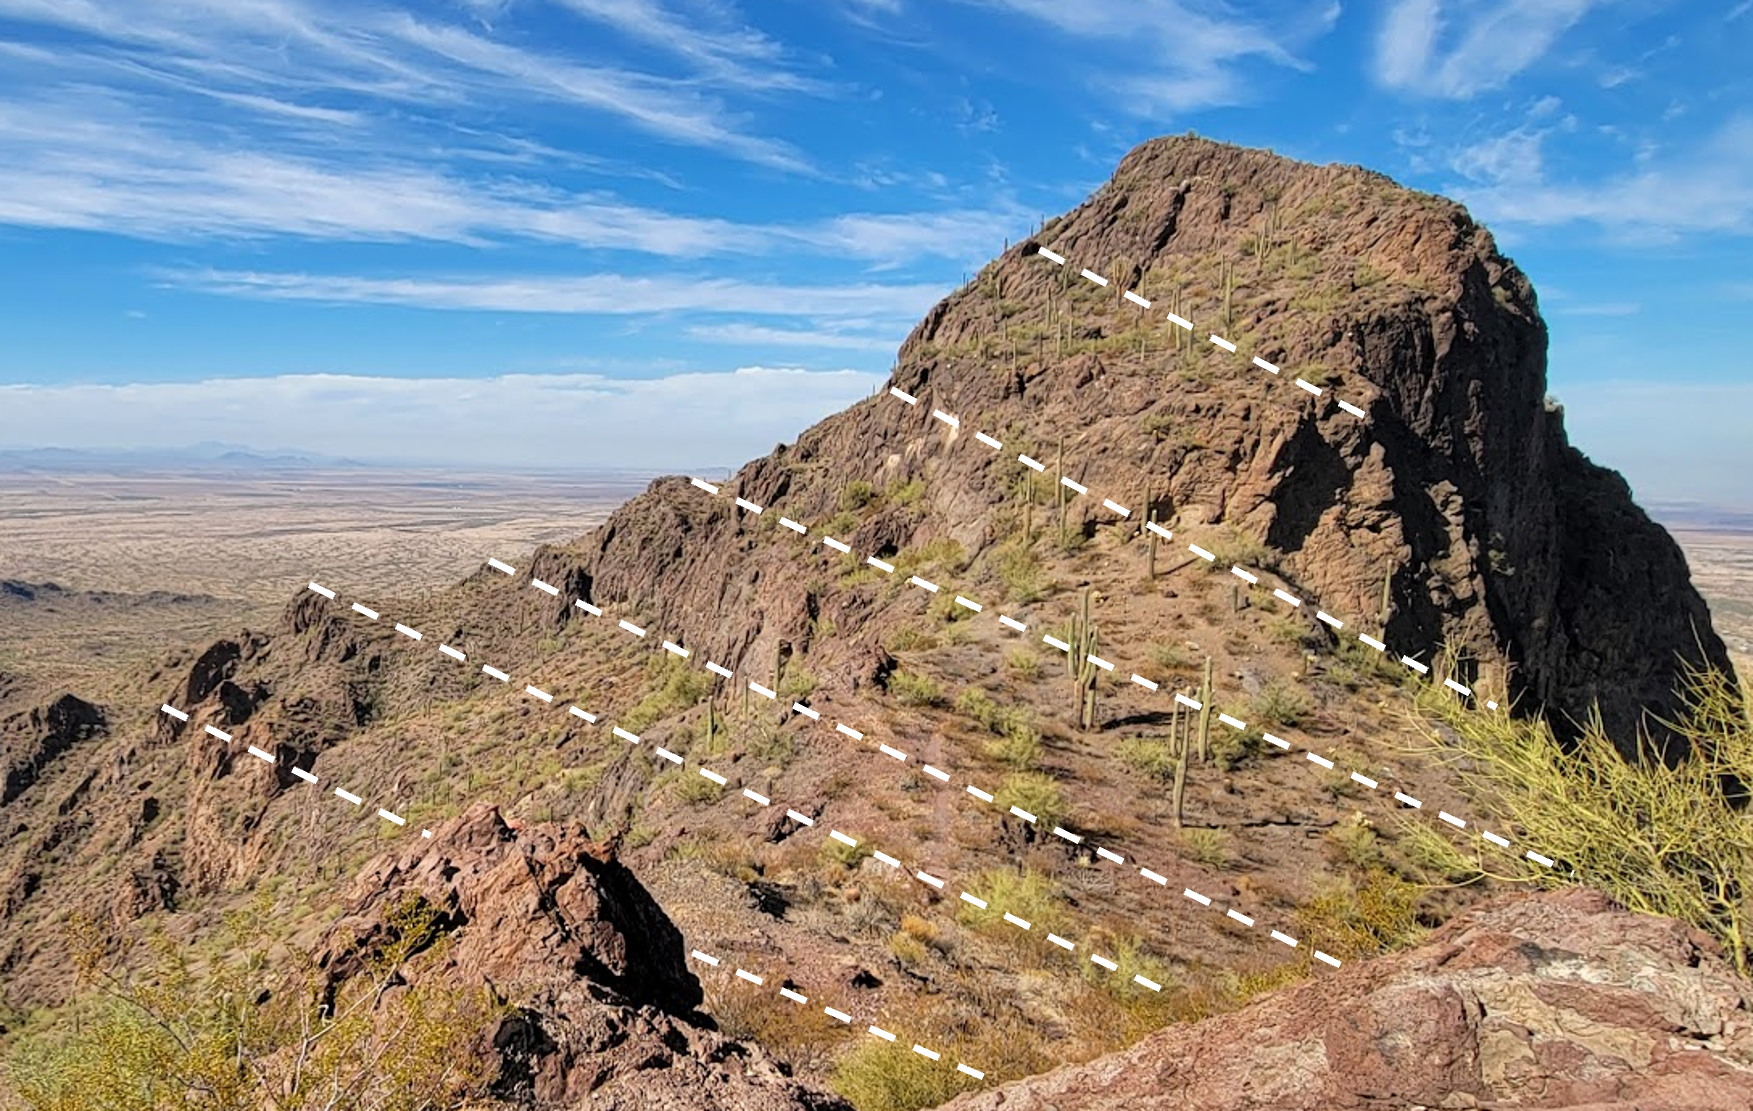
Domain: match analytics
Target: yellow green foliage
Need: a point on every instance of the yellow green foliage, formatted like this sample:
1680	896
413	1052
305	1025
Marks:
240	1035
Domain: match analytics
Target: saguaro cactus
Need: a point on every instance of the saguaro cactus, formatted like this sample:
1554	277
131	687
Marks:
1205	696
1059	468
1084	640
1178	745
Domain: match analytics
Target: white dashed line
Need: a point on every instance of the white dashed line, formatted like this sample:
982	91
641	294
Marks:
837	545
545	588
212	732
452	652
496	673
706	486
748	505
1224	343
907	397
407	632
324	591
538	693
348	796
498	566
367	612
632	628
304	775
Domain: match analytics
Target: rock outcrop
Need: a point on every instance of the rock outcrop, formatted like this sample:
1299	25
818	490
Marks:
1458	502
605	1014
1550	1002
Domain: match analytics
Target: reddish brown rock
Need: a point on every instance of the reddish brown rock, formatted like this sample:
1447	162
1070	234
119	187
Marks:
1460	490
1557	1002
606	1016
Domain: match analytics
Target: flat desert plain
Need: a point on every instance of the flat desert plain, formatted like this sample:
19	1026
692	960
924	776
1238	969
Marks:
151	559
146	559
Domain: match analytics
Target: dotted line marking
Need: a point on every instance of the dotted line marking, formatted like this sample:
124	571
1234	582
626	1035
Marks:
1228	719
971	789
832	1012
302	773
837	835
1411	662
1216	340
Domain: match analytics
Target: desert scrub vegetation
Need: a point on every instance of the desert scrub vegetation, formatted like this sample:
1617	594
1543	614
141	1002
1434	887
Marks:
672	686
1033	793
1018	567
167	1030
1282	704
1021	891
913	689
1667	837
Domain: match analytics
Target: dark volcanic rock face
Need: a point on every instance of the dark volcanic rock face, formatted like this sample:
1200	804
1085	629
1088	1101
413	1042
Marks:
606	1017
1459	500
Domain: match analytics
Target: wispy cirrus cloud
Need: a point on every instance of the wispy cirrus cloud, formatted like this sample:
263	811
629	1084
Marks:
1180	56
1706	186
1458	50
595	294
92	163
389	56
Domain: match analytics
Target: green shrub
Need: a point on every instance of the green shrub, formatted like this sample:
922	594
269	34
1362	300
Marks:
1210	847
877	1076
1281	703
1148	757
1033	793
978	705
1024	892
1665	839
1024	662
904	493
673	686
1019	570
1018	747
912	689
856	495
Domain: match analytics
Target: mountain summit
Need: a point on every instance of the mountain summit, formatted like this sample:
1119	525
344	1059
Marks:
1238	445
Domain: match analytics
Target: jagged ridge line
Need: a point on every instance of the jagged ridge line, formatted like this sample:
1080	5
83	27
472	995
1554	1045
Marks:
965	896
1312	756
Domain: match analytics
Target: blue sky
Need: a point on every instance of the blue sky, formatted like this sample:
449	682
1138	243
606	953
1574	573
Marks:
659	233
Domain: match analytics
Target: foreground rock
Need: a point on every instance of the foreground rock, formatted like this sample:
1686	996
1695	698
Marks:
605	1018
1554	1002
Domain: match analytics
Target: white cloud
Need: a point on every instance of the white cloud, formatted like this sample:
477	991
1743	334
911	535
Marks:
755	335
93	163
593	294
312	45
678	421
1493	41
1181	56
1708	188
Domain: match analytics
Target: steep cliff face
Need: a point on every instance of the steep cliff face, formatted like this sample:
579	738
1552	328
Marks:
1457	500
